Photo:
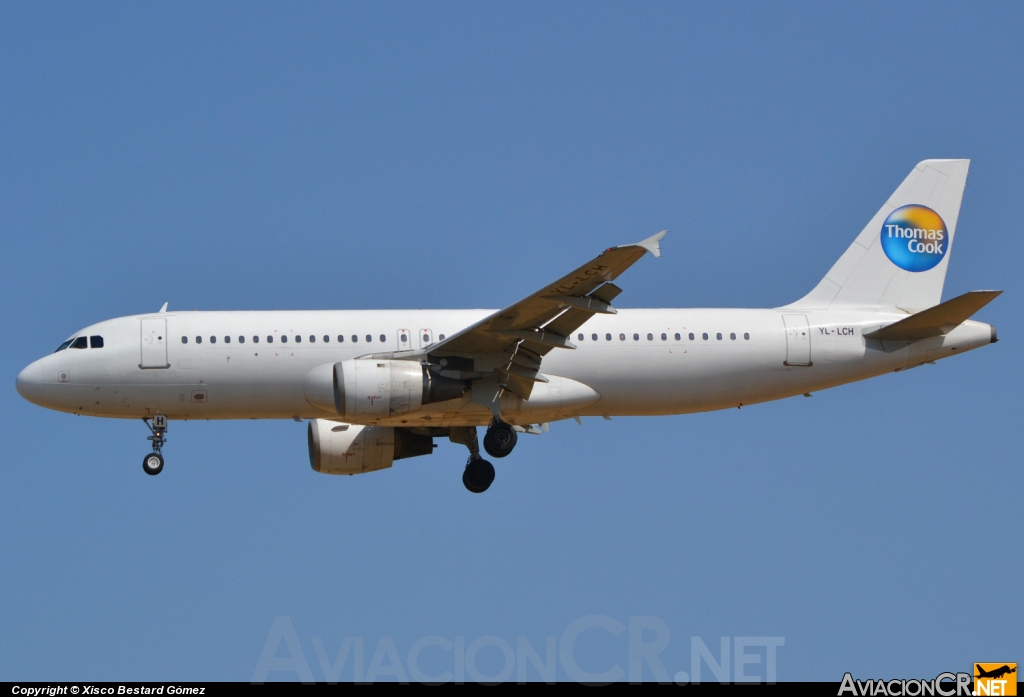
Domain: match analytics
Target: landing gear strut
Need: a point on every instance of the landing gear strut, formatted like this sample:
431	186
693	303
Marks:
479	473
499	439
153	463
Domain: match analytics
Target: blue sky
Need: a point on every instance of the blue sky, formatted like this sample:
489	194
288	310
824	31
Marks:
376	155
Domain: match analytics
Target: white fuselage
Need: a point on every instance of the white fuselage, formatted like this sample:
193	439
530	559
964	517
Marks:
650	365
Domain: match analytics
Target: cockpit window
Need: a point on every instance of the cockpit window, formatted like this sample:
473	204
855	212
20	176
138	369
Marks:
64	345
96	341
80	342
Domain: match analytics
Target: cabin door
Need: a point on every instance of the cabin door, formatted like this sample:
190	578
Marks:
798	340
154	343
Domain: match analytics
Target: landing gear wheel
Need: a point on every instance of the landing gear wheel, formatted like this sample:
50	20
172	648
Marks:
500	439
478	475
153	463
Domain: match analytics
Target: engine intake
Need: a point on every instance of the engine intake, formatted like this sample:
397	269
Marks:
364	388
341	448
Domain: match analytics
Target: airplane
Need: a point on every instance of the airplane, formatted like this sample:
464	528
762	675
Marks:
995	673
380	386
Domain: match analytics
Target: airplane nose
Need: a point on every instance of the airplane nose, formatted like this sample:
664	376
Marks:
30	383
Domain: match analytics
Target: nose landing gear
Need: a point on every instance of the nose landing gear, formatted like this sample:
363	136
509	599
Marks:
153	464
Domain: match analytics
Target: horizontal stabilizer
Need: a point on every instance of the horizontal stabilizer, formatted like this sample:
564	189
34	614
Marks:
937	320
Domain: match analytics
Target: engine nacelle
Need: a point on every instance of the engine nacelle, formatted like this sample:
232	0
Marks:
362	389
340	448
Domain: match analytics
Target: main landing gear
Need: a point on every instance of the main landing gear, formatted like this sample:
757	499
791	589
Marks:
498	442
499	439
479	473
153	463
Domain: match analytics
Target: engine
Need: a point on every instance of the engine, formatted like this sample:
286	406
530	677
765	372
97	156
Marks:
363	389
340	448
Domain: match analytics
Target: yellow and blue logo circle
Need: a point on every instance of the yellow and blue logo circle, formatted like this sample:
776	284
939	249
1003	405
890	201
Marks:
915	238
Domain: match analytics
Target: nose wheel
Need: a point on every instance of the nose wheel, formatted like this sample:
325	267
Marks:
153	464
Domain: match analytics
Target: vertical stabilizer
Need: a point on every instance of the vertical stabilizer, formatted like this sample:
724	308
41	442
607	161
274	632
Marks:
899	260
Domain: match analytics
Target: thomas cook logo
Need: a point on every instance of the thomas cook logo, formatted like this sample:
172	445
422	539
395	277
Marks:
995	678
914	238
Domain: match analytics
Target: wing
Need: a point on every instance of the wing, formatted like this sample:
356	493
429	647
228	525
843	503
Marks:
513	341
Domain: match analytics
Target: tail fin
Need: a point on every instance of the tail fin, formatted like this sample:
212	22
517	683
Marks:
899	260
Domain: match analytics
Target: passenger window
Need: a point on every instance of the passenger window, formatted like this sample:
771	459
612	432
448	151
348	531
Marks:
270	338
341	338
184	340
746	336
213	340
284	338
80	342
227	340
355	339
298	338
608	337
241	339
369	338
704	336
664	337
622	337
383	338
679	337
199	339
650	337
718	336
312	338
404	338
580	337
327	338
441	338
255	339
691	336
636	337
732	336
594	337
